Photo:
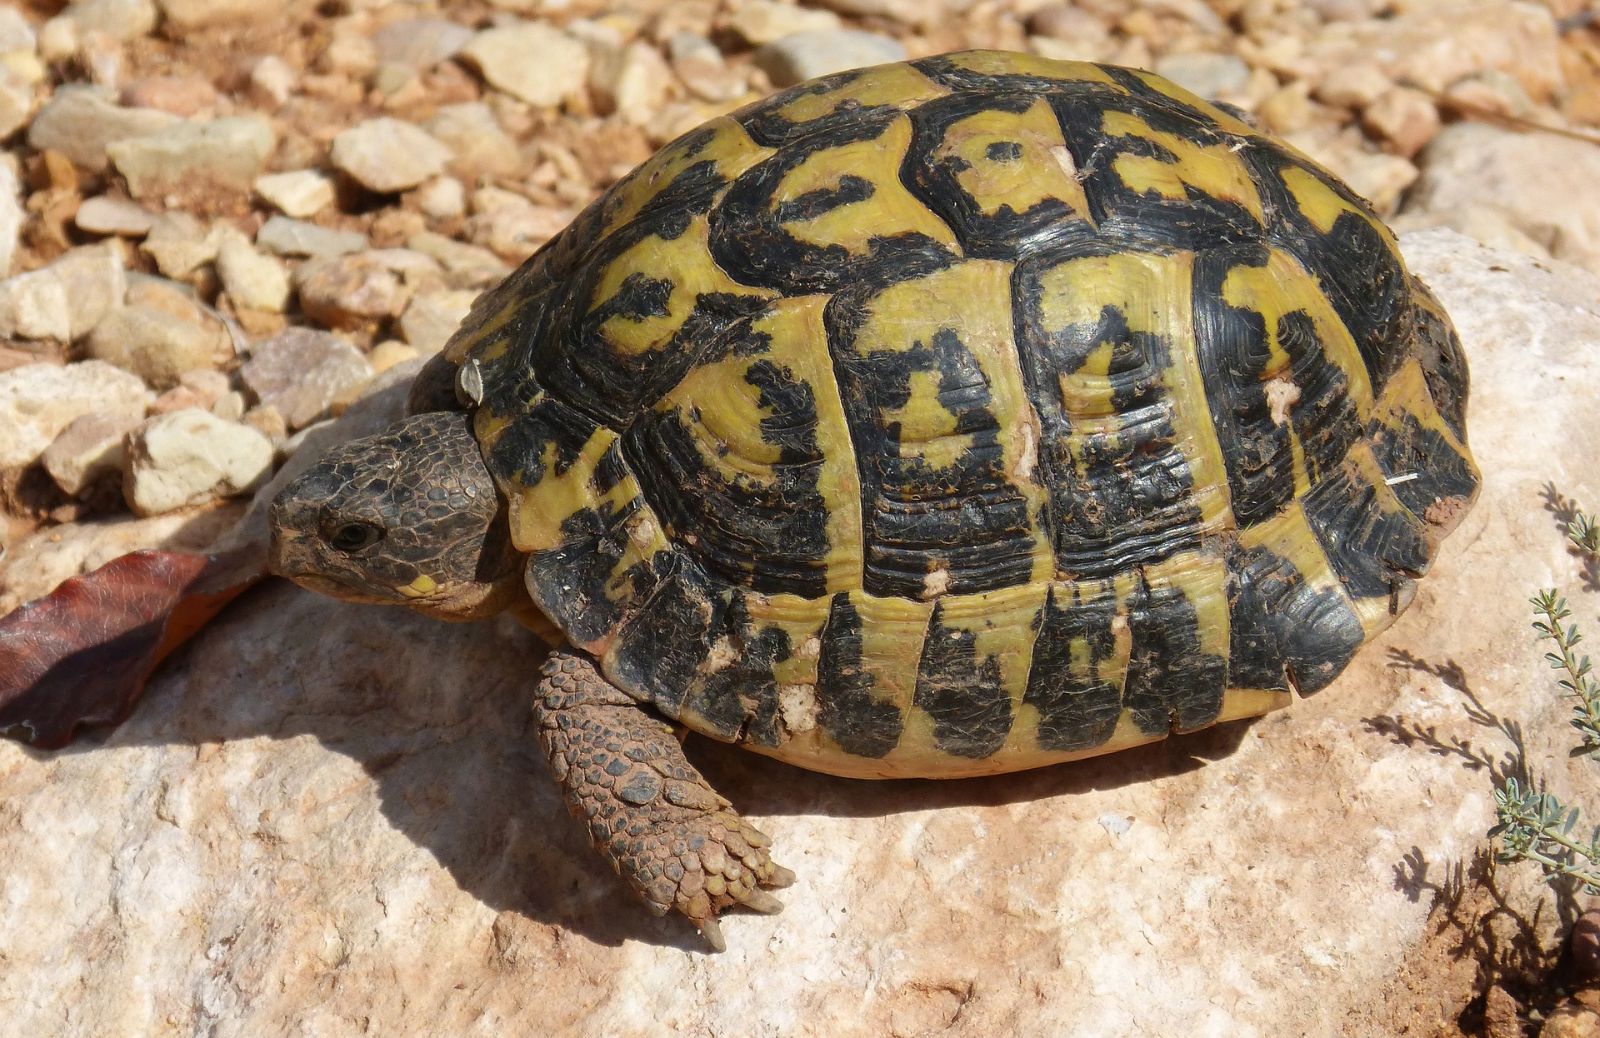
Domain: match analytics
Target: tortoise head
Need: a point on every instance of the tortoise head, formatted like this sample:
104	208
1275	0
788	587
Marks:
407	517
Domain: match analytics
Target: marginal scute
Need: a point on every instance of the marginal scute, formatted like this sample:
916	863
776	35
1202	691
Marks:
971	414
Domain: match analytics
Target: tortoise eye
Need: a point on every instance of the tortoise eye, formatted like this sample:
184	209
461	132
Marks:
355	536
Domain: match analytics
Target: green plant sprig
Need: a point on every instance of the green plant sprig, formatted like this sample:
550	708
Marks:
1551	610
1537	827
1584	533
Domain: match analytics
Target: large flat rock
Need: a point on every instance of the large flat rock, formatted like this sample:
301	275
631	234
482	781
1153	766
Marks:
328	819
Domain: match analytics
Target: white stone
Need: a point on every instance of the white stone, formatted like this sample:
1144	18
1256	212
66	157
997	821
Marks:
433	317
388	155
759	22
1537	187
480	144
200	14
536	63
154	344
67	298
806	55
82	121
38	401
298	193
88	450
120	20
634	82
11	215
288	237
105	214
16	102
228	152
179	244
420	43
189	457
301	372
272	80
443	198
252	280
15	32
1205	73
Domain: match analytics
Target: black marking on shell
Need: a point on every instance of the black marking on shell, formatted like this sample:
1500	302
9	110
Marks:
1277	619
1077	711
962	692
1172	685
847	710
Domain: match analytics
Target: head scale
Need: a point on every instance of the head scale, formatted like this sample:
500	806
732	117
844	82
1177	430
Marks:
407	517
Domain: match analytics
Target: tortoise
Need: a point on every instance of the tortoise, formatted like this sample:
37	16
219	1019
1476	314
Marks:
938	419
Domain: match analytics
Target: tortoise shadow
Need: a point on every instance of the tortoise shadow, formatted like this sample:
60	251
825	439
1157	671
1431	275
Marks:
458	772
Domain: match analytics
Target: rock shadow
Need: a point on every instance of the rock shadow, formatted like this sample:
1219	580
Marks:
1468	906
1564	510
439	716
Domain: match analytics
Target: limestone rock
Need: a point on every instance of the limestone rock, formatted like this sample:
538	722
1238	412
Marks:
337	813
66	299
634	82
154	344
433	317
804	55
88	450
1500	186
10	216
298	193
16	102
288	237
760	22
120	20
82	121
1205	73
15	32
301	372
180	244
420	43
349	291
534	62
38	401
480	144
189	457
105	214
228	153
184	15
388	155
253	280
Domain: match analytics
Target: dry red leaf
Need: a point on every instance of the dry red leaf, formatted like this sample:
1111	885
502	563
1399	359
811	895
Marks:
81	654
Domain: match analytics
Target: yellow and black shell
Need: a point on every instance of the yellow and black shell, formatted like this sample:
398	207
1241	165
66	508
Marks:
970	414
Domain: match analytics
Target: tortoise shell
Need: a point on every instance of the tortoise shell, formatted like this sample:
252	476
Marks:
970	414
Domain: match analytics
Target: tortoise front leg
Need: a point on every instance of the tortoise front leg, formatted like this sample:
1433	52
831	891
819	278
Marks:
649	812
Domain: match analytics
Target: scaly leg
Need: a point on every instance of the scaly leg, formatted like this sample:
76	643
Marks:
649	812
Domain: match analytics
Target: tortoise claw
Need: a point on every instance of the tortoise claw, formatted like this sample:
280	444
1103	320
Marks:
780	878
763	902
711	930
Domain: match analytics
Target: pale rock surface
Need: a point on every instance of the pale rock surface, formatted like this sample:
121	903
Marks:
252	279
105	214
81	122
15	31
1533	192
760	22
1205	73
10	215
420	43
288	237
120	20
228	153
88	450
199	14
189	457
331	819
38	401
349	291
388	155
432	317
180	244
66	299
298	193
153	343
300	372
530	61
805	55
479	142
16	101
